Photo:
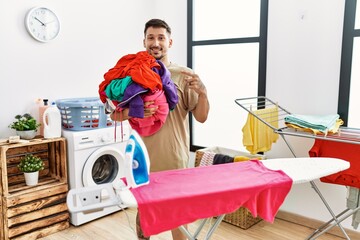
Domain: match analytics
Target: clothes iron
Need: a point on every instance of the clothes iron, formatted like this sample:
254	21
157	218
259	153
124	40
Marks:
137	163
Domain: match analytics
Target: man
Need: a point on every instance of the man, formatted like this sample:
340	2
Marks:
169	147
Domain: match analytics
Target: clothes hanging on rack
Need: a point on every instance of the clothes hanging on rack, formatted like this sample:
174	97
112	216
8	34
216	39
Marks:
353	202
344	135
345	151
356	219
258	137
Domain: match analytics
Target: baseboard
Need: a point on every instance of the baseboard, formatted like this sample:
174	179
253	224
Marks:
314	224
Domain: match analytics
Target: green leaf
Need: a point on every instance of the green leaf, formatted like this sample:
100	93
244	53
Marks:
31	163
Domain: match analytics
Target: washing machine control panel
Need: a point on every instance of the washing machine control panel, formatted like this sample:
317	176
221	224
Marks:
97	138
105	139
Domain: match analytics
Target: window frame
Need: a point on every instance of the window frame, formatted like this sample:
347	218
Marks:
262	40
346	59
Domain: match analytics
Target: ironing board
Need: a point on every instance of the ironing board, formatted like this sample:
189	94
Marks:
345	135
298	170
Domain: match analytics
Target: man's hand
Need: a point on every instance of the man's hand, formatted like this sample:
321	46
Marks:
202	107
194	82
149	109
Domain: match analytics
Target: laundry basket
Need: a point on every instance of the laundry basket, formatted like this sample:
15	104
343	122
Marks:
79	114
241	217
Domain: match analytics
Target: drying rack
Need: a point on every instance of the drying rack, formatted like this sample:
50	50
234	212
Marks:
345	134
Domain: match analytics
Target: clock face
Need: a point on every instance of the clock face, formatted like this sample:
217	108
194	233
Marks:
42	24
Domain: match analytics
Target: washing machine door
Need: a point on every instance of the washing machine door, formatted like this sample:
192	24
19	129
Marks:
103	166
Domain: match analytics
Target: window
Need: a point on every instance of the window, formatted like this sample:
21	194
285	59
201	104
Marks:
227	48
350	71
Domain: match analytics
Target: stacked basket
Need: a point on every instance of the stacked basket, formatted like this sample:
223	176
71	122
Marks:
79	114
241	217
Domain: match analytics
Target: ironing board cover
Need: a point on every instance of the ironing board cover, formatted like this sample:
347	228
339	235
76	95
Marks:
178	197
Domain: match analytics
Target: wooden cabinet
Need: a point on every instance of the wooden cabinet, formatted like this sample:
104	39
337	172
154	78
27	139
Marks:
31	212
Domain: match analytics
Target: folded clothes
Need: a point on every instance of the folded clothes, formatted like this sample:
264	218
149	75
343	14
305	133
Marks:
320	123
332	130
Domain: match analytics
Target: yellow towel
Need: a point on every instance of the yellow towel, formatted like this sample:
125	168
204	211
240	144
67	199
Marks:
257	136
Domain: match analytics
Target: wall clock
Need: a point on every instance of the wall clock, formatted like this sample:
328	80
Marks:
42	24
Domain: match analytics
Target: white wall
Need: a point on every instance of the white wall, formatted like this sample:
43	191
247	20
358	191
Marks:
302	72
303	68
94	35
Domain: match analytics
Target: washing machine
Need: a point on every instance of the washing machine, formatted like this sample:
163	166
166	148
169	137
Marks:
95	157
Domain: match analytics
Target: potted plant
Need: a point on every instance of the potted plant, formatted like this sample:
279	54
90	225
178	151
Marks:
30	165
25	126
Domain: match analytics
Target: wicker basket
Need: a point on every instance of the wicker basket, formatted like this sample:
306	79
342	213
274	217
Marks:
241	217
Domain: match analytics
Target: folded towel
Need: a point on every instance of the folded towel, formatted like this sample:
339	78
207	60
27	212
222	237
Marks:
332	130
321	123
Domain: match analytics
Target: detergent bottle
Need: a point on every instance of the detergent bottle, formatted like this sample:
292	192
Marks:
52	127
42	109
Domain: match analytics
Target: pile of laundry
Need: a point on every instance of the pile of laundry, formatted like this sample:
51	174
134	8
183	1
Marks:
317	124
134	80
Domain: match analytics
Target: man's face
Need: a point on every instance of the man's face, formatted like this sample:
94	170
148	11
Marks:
157	42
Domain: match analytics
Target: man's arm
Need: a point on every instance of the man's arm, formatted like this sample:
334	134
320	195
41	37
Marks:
120	115
202	108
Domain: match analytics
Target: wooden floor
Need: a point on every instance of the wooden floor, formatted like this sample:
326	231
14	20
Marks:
121	226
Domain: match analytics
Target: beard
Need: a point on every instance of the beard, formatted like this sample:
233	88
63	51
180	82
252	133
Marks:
159	58
156	53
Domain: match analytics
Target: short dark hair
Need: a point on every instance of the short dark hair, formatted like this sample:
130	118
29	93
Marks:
157	23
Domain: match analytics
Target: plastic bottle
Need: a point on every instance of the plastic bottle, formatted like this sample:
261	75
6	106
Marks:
52	127
42	109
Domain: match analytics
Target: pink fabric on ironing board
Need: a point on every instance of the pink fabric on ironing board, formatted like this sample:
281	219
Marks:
178	197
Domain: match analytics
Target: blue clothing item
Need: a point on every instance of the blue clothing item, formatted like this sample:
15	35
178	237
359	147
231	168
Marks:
318	122
169	87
